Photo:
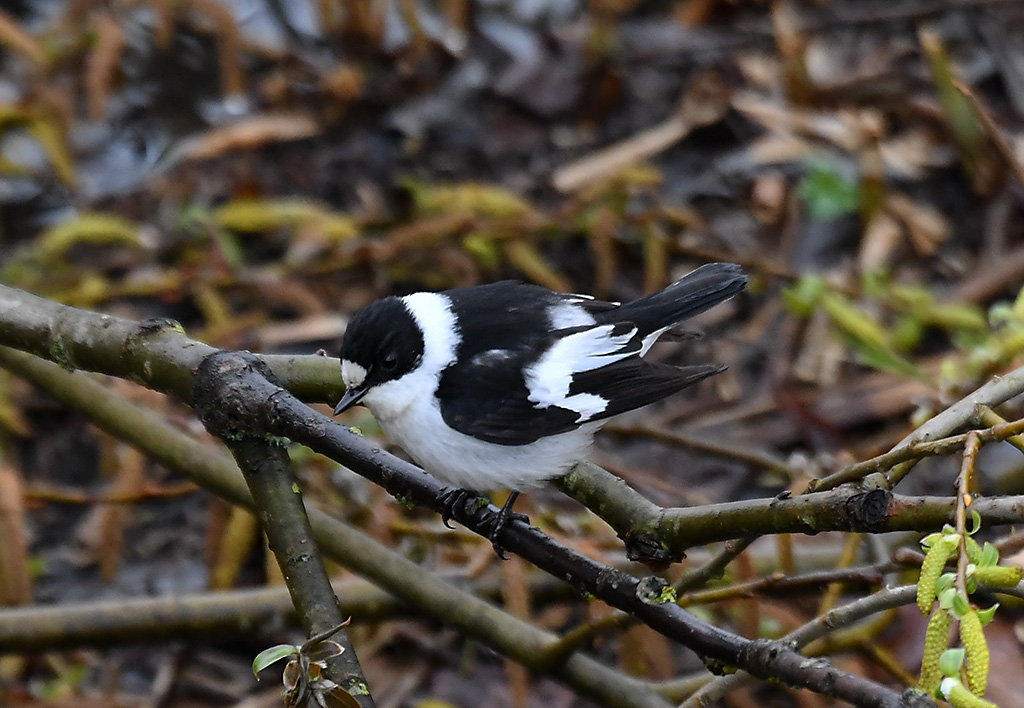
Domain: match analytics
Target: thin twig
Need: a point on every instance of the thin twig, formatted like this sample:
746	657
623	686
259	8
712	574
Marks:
1000	430
44	492
817	628
992	419
777	583
963	500
700	576
998	390
729	449
1003	146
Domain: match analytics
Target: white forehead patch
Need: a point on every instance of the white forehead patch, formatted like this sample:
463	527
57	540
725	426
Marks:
441	336
352	373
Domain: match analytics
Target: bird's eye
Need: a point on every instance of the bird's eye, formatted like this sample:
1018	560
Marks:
389	362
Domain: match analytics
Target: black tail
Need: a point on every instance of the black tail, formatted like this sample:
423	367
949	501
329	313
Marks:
689	296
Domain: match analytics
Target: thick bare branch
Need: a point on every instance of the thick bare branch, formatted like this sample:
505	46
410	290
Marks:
417	587
221	401
279	412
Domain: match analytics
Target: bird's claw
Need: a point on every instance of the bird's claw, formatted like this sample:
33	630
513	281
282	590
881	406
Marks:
450	498
498	549
504	517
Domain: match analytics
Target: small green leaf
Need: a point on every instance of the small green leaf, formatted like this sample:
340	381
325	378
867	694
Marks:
960	606
986	615
274	654
803	296
946	581
975	522
989	555
827	194
951	661
946	598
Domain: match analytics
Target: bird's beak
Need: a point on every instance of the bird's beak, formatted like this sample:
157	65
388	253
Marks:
351	397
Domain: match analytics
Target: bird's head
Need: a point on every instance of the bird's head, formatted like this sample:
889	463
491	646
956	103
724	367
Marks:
383	343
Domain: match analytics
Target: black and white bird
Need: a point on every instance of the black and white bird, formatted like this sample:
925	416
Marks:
503	386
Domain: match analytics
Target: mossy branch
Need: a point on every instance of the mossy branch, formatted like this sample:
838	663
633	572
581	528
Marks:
226	613
648	528
153	619
284	415
417	587
221	400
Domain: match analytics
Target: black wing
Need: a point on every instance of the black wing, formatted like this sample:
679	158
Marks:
488	396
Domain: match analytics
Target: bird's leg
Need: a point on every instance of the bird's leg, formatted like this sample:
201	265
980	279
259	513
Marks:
504	517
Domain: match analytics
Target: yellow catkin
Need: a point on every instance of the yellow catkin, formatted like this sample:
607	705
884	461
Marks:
1000	576
972	636
936	641
931	570
973	550
960	697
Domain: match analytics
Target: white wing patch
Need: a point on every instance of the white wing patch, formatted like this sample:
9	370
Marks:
650	339
549	378
567	314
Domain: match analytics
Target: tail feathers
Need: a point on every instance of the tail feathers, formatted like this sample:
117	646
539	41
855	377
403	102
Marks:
636	382
689	296
689	375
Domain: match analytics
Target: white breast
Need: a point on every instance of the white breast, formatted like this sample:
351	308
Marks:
463	461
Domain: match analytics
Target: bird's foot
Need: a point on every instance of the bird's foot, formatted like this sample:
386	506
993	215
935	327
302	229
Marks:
504	517
451	498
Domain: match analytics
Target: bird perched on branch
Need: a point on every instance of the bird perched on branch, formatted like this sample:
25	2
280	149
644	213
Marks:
503	386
